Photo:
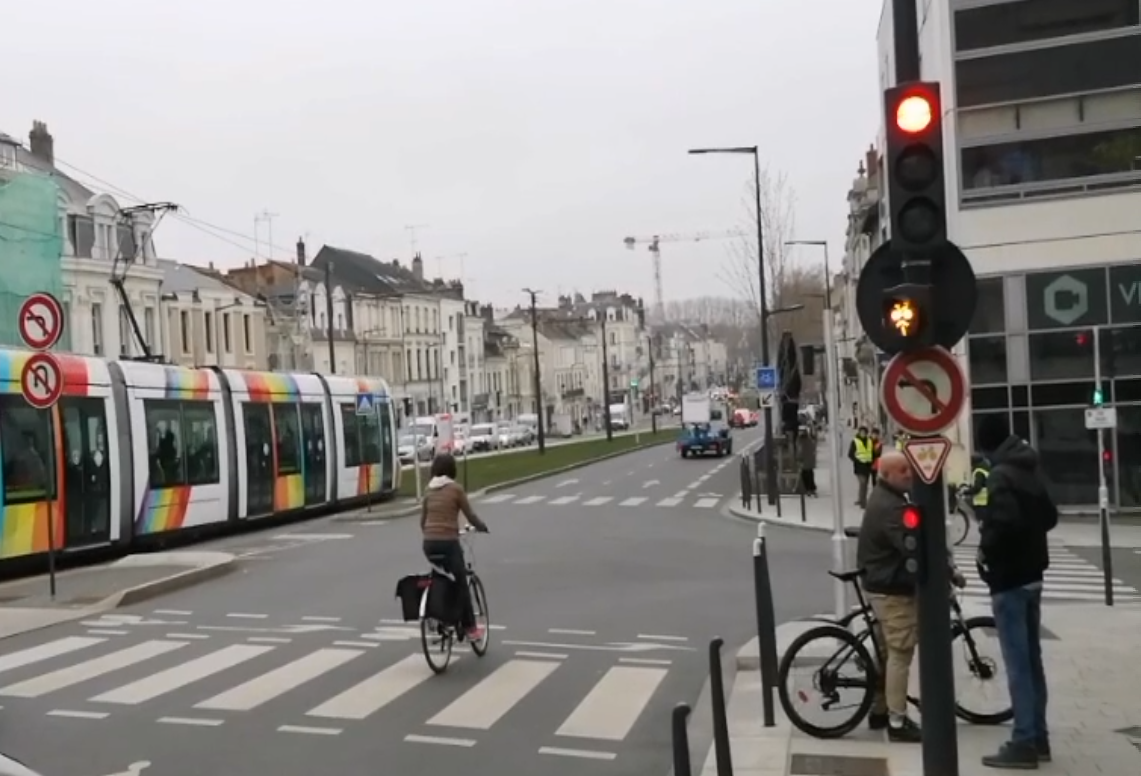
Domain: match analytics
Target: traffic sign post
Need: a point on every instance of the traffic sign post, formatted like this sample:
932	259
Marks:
923	391
41	325
766	378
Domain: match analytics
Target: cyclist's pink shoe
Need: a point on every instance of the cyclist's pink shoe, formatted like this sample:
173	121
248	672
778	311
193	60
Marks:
475	633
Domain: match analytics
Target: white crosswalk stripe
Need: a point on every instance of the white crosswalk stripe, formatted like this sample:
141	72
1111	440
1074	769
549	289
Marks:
603	707
1069	578
578	500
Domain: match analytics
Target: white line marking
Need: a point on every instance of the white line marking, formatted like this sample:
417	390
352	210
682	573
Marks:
563	500
598	501
614	704
377	691
657	637
530	500
442	741
499	498
694	485
89	669
249	695
176	612
98	632
669	502
320	619
483	705
172	679
244	616
585	754
706	503
78	714
356	644
572	632
645	661
193	721
633	502
313	731
541	655
46	651
269	640
191	636
314	537
681	494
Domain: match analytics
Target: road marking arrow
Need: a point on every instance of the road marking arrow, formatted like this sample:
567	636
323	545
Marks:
650	483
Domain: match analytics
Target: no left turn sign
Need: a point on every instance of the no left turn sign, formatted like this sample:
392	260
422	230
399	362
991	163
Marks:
923	391
41	321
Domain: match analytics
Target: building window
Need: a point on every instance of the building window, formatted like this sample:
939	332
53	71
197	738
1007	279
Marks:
96	329
1025	22
990	309
247	337
1067	452
184	330
27	435
1061	355
987	360
1070	157
149	326
1078	68
124	331
227	334
208	319
182	443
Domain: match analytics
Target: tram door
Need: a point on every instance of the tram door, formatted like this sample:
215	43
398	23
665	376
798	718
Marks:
259	459
313	448
387	454
87	472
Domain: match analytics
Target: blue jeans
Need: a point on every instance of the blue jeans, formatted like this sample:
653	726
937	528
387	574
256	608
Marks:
1018	616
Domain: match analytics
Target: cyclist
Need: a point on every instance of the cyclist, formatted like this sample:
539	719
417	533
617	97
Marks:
444	502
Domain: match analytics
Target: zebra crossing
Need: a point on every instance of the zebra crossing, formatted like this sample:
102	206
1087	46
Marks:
1069	578
589	698
682	499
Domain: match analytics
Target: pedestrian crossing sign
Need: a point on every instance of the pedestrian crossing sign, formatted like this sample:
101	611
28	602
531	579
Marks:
366	404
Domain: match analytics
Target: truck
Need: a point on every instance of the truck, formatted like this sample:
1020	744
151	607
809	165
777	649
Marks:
703	427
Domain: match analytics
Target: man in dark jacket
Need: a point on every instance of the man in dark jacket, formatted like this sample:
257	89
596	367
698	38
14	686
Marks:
1013	557
891	590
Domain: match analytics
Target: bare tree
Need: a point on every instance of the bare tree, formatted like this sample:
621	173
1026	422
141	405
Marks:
778	219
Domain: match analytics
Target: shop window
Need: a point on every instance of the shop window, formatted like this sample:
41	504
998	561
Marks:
25	437
1061	355
1128	462
990	308
987	358
1068	454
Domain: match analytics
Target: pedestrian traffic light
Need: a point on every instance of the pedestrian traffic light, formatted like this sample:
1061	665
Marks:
907	317
912	523
634	383
1098	397
914	164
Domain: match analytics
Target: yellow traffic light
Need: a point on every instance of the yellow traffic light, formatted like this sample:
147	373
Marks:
903	316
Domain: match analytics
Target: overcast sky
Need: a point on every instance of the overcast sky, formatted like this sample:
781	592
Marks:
531	135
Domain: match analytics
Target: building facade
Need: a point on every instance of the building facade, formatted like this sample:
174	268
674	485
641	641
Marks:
208	322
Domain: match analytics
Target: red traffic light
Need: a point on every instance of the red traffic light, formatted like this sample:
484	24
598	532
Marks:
914	114
911	518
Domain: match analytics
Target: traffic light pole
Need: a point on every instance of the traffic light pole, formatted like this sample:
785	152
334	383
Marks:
1102	488
905	24
606	383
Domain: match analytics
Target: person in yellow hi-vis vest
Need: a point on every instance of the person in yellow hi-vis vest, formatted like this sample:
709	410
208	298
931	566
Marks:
901	438
862	453
980	470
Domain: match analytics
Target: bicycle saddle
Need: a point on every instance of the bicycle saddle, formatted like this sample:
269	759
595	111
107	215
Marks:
847	576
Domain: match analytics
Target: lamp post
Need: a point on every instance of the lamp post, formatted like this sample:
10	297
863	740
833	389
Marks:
538	384
770	457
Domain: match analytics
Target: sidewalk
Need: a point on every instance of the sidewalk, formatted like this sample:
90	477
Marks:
26	604
818	514
1095	713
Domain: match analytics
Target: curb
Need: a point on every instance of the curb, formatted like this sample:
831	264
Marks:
369	517
183	579
748	514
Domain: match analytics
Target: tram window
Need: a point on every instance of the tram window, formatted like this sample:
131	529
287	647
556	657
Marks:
25	437
370	438
165	443
200	432
351	423
287	430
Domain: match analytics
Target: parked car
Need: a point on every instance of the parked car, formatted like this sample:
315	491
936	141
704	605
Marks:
524	435
460	443
505	436
409	446
483	438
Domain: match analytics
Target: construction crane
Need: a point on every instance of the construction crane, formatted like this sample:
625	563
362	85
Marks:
655	250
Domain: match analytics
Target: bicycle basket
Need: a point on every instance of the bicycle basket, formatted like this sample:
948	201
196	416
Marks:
409	590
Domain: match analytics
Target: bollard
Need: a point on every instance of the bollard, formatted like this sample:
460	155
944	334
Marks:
766	627
746	482
720	717
680	736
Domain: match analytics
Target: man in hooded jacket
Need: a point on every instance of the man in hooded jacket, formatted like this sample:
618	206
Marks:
1013	558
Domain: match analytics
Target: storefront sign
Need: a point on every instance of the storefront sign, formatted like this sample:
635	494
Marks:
1125	293
1062	300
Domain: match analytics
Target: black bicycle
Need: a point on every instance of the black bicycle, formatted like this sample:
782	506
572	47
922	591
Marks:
832	647
440	632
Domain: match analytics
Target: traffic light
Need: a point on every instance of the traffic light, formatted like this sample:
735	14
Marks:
914	163
634	383
912	542
1098	397
907	317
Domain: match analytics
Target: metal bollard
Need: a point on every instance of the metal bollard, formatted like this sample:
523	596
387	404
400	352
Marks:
746	482
766	625
720	718
680	736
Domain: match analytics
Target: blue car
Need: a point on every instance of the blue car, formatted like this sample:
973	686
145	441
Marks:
705	439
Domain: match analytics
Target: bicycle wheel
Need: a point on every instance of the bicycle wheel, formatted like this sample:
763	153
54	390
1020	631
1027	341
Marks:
960	527
835	649
479	604
982	667
435	639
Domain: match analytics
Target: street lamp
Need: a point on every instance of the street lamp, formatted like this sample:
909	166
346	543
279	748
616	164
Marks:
538	379
827	273
770	458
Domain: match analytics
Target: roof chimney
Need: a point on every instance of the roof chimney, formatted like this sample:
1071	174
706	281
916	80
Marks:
42	143
418	267
300	252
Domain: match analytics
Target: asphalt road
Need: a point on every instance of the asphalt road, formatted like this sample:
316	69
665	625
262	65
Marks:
297	663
